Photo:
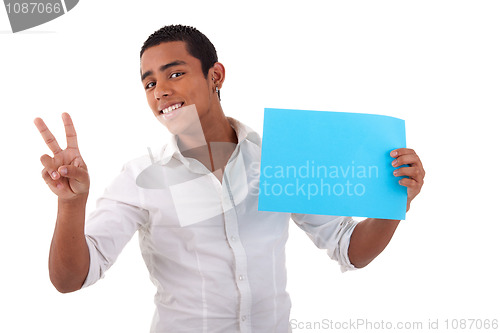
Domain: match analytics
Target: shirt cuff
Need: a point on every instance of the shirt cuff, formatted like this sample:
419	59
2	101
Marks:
341	252
94	273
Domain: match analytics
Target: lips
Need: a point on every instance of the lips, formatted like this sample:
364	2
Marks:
171	108
179	119
171	111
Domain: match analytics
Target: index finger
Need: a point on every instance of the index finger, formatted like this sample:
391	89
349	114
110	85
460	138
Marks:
47	136
70	131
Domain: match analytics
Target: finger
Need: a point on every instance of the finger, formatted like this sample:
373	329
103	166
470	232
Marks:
411	159
71	171
408	182
47	136
413	172
78	162
49	181
70	131
48	163
402	151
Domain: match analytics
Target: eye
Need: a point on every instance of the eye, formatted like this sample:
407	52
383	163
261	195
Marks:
176	74
149	85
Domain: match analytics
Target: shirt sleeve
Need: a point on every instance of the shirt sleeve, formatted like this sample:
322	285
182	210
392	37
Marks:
332	233
118	215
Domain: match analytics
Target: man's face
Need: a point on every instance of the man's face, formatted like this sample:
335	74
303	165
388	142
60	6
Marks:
173	79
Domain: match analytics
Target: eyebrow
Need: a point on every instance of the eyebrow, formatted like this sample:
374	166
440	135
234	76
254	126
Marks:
163	68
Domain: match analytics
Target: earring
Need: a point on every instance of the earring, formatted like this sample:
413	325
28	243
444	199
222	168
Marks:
217	89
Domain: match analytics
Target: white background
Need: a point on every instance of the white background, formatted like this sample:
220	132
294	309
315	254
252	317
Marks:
433	63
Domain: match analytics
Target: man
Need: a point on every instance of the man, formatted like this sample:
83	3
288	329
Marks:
218	262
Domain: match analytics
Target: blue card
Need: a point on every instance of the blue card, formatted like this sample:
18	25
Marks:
331	163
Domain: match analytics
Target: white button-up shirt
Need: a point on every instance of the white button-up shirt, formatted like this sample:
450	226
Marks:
218	263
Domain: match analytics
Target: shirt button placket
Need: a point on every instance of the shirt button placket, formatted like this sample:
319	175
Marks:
232	234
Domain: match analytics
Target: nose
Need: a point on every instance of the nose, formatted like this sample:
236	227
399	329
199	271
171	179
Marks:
162	89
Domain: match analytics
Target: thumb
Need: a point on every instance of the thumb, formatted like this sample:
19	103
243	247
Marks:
74	172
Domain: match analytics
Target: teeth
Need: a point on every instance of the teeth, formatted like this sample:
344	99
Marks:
171	108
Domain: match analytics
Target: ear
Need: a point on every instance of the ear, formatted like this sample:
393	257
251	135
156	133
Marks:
218	74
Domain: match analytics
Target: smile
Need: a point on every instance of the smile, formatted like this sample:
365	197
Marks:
171	108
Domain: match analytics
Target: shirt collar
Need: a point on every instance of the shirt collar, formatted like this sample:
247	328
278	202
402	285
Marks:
243	132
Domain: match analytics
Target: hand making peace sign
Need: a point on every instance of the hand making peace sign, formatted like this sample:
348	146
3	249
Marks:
66	173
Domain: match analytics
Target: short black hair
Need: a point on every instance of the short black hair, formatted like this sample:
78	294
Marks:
197	44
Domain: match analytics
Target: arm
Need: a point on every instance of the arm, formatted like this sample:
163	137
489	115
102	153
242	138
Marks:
67	176
371	236
369	239
69	255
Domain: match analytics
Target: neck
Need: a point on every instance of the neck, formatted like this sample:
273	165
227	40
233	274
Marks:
213	128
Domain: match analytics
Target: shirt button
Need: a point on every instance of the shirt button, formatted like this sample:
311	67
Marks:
241	277
243	318
233	238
